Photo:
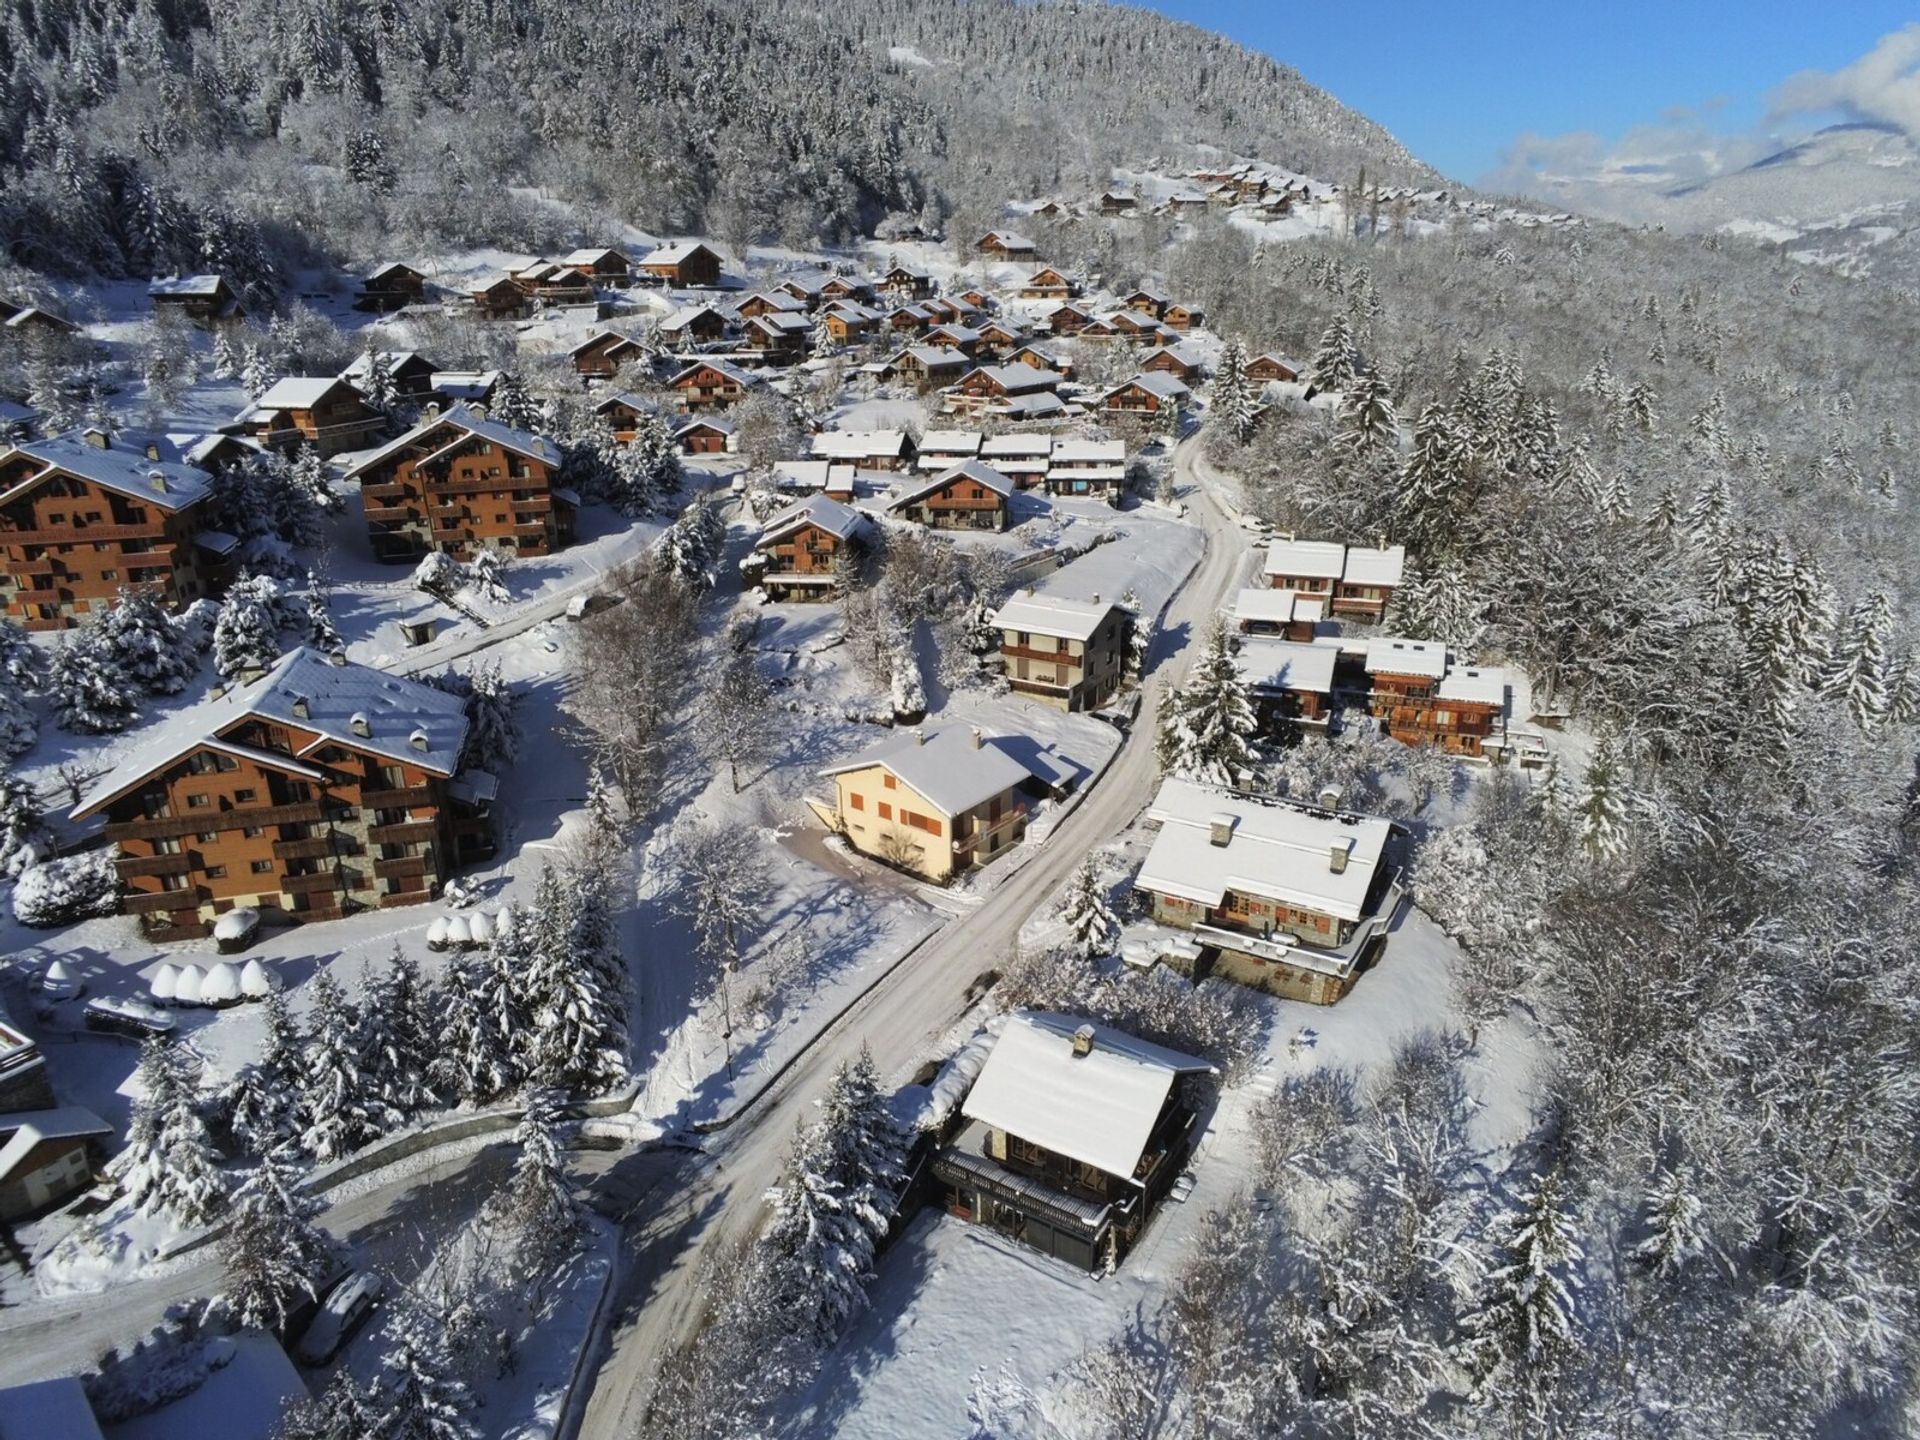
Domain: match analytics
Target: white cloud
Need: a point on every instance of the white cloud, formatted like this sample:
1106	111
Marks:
1883	85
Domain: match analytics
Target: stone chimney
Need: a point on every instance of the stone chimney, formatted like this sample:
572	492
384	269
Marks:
1337	857
975	733
1083	1040
360	726
301	710
1220	828
418	740
1330	796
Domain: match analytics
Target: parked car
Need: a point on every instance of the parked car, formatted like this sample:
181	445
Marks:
120	1015
344	1311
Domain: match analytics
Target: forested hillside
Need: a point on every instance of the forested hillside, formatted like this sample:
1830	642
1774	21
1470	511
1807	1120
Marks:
169	134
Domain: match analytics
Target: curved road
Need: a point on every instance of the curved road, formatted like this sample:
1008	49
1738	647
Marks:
679	1207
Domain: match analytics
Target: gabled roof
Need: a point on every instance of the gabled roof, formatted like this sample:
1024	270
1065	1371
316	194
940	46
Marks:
951	442
186	286
1309	559
1186	352
296	392
395	710
975	471
1009	239
956	332
819	511
1276	850
1011	447
1387	655
708	362
854	311
686	315
953	769
31	1127
1475	685
21	319
815	475
860	444
621	337
1053	616
622	397
937	357
170	484
1271	664
390	267
703	422
1283	361
778	299
781	323
677	254
1016	379
395	360
1370	565
465	385
593	255
459	417
1098	1109
1154	383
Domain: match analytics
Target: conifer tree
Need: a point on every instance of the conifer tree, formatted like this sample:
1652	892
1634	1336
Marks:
1601	814
273	1252
1205	724
1676	1231
1231	399
170	1167
1856	674
486	1025
247	635
1367	417
144	642
1088	917
1524	1322
334	1096
417	1396
1139	637
90	694
1431	481
399	1038
23	831
1336	364
578	1038
322	633
342	1411
537	1208
263	1103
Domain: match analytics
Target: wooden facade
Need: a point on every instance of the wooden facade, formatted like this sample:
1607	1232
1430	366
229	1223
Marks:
329	415
203	299
502	299
1271	367
303	822
83	519
804	548
704	436
457	484
1047	283
902	281
601	354
1067	655
1004	245
391	287
1182	317
693	265
968	497
709	385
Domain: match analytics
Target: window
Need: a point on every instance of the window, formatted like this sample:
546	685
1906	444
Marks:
886	811
198	802
244	797
253	832
216	872
856	802
208	837
888	781
262	867
109	574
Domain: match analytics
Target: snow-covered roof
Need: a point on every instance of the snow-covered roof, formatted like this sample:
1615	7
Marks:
839	521
703	422
781	302
591	256
1276	607
1053	615
186	286
1285	362
860	444
296	392
956	332
1368	565
396	713
623	397
676	254
973	470
1271	664
381	272
1275	850
1011	447
459	417
933	357
686	315
1154	383
363	362
1473	685
31	1127
1009	239
465	385
1016	379
781	322
708	362
1391	656
814	475
1039	405
1067	450
170	484
1309	559
1187	353
950	442
853	310
56	1409
1098	1108
953	769
604	333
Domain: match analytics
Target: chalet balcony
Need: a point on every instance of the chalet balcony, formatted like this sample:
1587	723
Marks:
400	513
316	847
167	827
144	902
404	865
529	529
128	866
324	881
1045	657
385	494
397	799
407	832
65	535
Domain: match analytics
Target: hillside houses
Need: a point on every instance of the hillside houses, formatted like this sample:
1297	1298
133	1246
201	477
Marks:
705	435
925	367
1073	1135
801	549
1422	698
1005	245
86	514
710	384
1291	681
392	286
1048	283
970	496
319	789
1268	367
1357	581
408	371
1287	898
937	803
1070	654
1149	394
603	352
689	264
322	411
457	483
502	298
602	265
889	450
203	299
1018	392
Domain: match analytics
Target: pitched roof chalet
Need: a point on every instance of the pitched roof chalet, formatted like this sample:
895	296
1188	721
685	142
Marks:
819	511
459	417
953	769
171	484
975	471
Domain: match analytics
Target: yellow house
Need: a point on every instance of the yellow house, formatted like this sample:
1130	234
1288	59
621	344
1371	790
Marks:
940	802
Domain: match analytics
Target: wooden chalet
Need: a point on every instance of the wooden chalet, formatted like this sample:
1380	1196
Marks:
84	516
951	336
937	803
704	435
775	338
1048	283
996	387
944	449
1183	362
925	366
970	496
835	479
907	282
203	299
322	411
1119	202
603	352
319	789
1133	325
1182	317
1089	469
1067	653
974	296
995	338
408	371
392	287
887	450
688	263
457	483
845	287
710	385
1287	898
1291	682
1023	457
769	302
1264	368
1068	320
502	299
1005	245
623	411
694	325
37	319
601	264
1071	1138
909	319
555	283
849	322
1147	394
1040	358
950	309
1283	614
1357	581
1421	698
804	546
46	1156
1147	300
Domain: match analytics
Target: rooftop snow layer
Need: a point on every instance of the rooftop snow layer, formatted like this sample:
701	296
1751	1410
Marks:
953	769
1053	616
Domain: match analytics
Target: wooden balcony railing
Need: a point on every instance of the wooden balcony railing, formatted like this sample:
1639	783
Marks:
168	826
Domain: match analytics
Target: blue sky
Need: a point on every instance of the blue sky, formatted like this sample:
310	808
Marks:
1459	84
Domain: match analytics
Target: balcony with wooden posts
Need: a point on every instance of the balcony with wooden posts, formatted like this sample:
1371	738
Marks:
323	881
146	902
314	847
397	799
128	866
403	865
405	832
168	827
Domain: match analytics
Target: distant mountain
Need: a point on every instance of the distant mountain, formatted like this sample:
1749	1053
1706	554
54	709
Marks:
1846	196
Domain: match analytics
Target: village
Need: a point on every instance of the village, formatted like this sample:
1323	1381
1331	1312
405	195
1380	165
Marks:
391	744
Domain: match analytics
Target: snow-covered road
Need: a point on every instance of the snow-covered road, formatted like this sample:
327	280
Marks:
718	1200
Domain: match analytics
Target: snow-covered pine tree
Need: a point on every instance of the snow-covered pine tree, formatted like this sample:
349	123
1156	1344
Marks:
1600	815
485	575
1205	724
333	1097
1087	915
537	1208
1675	1224
577	1041
1139	636
23	665
19	729
483	1023
273	1252
256	372
143	641
246	638
738	714
1443	606
170	1167
1551	797
689	548
322	633
438	573
342	1411
309	489
1231	400
226	364
1903	691
417	1396
376	385
1368	421
399	1039
91	694
1524	1321
263	1102
66	888
514	406
23	831
1431	481
1336	363
1808	604
1856	673
493	729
